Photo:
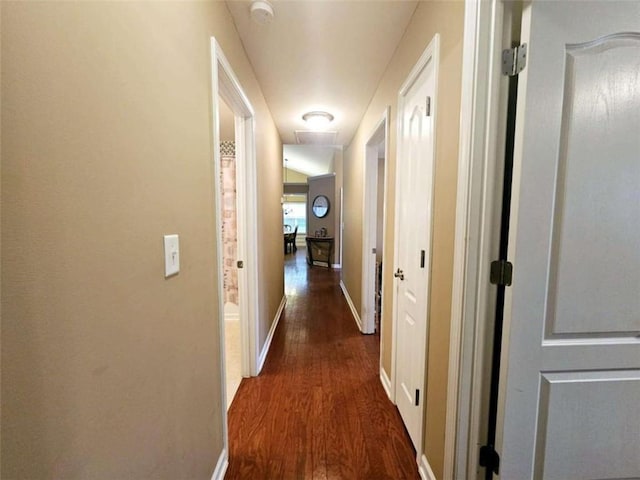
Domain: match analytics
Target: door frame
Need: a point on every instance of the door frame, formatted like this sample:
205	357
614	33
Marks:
430	54
370	194
340	224
487	30
225	85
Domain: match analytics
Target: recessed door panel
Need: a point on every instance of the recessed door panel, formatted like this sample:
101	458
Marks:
577	437
594	289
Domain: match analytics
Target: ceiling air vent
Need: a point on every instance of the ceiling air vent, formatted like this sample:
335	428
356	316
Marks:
316	138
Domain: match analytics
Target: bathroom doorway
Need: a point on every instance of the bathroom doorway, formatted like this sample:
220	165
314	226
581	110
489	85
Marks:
229	225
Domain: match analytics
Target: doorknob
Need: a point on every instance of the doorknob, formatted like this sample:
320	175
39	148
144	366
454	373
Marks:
399	274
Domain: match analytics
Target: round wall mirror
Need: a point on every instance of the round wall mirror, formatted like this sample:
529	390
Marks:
320	206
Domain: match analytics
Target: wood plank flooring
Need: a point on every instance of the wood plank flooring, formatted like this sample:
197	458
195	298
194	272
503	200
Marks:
318	410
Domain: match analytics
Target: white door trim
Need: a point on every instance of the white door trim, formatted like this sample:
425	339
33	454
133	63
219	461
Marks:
463	228
479	192
430	54
225	85
369	234
340	224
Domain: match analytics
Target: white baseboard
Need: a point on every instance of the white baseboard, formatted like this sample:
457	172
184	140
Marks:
386	383
336	266
354	312
221	466
425	469
272	331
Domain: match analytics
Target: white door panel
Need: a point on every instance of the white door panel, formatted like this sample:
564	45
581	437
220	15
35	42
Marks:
572	421
597	192
571	385
414	167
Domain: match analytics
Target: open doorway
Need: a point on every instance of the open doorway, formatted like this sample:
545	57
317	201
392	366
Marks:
227	90
229	225
294	208
294	211
374	226
306	167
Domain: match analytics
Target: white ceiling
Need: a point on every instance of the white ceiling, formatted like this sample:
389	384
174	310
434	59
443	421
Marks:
311	160
321	55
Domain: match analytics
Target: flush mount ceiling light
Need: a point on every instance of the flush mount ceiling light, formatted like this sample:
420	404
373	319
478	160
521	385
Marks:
261	12
318	120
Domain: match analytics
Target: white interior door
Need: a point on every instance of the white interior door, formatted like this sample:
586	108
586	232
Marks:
373	194
369	239
414	190
571	387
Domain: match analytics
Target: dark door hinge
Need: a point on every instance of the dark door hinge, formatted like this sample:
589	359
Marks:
417	397
422	258
489	458
514	60
240	264
501	273
428	107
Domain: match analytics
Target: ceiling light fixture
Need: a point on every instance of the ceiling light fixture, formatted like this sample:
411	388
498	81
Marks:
261	11
318	120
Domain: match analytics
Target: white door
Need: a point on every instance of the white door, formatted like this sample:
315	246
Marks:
370	254
571	395
373	222
414	167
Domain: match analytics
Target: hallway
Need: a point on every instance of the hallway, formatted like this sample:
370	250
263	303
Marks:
318	409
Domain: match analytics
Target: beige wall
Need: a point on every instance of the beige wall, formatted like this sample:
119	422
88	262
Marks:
292	176
431	17
109	370
269	175
337	167
295	198
1	222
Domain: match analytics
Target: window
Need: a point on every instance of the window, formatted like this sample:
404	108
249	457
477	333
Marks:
295	212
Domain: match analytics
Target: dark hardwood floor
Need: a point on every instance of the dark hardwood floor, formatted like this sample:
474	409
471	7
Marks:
318	409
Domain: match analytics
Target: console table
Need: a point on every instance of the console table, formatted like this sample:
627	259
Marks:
319	250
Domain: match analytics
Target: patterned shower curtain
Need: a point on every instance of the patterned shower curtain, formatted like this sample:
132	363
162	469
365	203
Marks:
229	222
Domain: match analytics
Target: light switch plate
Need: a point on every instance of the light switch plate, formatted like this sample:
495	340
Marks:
171	255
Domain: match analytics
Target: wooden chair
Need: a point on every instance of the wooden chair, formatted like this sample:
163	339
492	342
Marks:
290	241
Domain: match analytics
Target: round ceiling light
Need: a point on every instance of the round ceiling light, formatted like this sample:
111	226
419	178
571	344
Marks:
318	120
261	12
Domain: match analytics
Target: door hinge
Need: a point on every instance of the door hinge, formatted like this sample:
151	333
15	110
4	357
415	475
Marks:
417	397
489	458
240	264
422	252
427	106
514	60
501	273
373	250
